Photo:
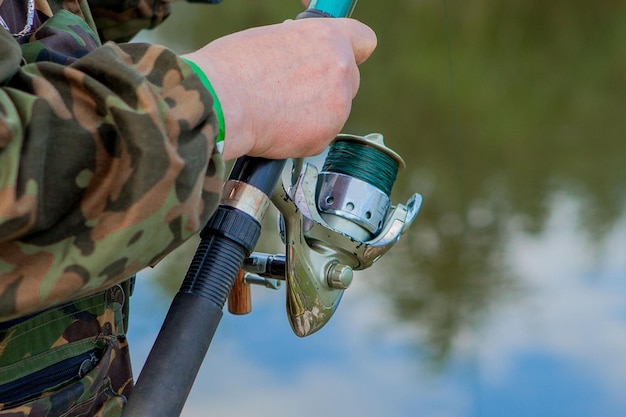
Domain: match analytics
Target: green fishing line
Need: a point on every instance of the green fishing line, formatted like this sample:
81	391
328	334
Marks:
362	162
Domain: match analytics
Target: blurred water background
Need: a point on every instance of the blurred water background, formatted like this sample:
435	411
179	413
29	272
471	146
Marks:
507	296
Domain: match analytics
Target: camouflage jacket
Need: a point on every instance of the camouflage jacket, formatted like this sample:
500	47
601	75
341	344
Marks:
107	152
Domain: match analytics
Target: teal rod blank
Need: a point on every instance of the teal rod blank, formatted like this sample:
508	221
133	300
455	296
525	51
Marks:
335	8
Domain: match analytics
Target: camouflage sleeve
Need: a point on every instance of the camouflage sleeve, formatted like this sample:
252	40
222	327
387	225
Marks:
106	165
121	20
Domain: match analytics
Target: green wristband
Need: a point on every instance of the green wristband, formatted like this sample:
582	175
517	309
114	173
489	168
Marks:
221	134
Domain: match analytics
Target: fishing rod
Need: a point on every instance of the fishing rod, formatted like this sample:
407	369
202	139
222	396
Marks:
333	220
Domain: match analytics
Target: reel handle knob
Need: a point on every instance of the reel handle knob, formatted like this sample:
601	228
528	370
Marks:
239	299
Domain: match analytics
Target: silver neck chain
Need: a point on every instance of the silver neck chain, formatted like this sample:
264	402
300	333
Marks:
30	20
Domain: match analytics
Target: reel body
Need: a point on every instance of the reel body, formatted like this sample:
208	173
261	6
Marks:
333	221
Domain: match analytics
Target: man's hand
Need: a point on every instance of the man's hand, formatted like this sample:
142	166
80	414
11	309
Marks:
286	89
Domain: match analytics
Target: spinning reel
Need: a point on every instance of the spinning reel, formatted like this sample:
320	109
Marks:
333	220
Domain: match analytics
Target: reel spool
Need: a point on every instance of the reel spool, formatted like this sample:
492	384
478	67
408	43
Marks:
355	183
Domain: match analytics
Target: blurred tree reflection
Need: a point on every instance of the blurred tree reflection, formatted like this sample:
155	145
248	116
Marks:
495	106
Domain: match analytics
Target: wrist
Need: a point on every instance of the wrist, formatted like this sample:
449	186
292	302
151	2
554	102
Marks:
217	105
